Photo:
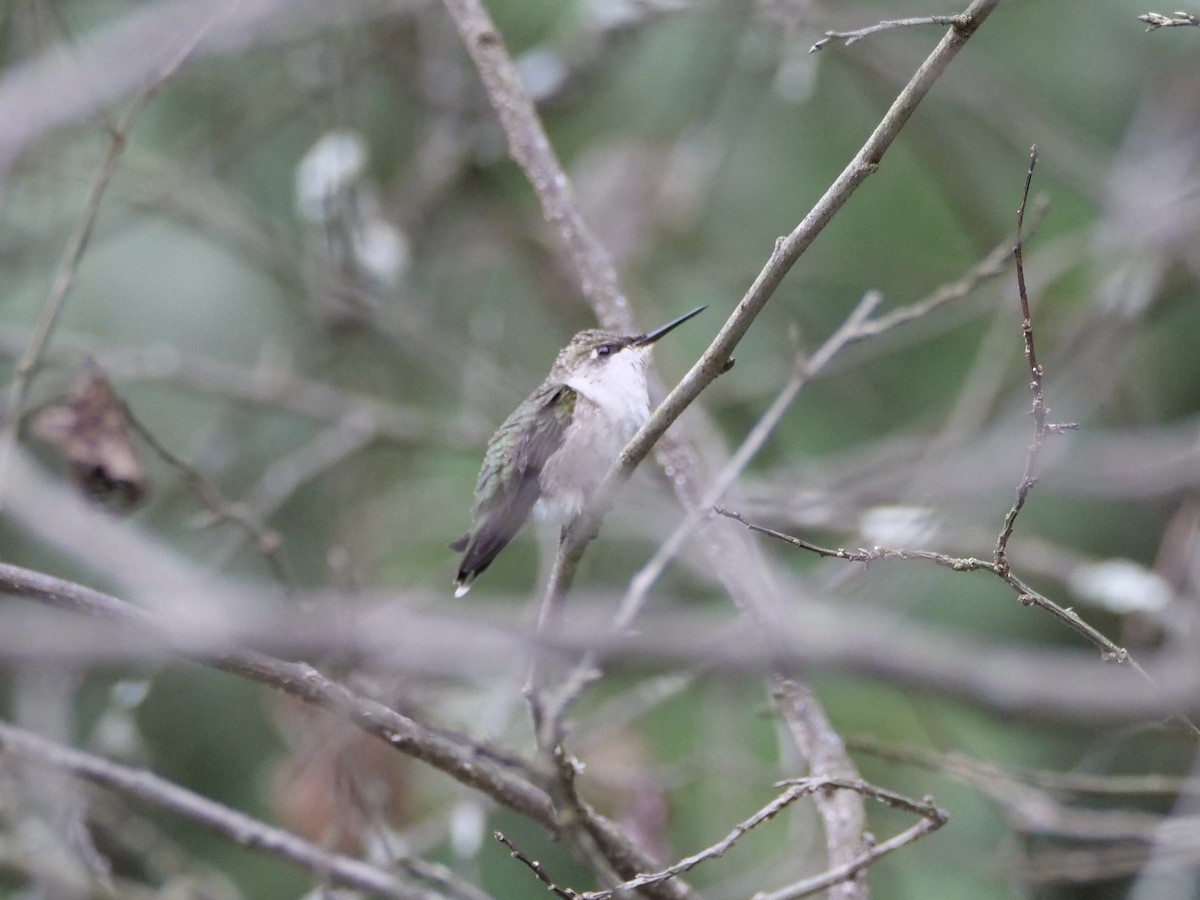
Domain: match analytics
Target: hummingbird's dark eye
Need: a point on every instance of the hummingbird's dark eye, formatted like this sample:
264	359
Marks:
605	349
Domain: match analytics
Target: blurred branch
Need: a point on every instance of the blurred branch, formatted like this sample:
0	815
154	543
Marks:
287	474
68	266
1018	680
265	385
267	542
63	87
1154	20
216	817
531	150
966	768
470	763
851	37
497	775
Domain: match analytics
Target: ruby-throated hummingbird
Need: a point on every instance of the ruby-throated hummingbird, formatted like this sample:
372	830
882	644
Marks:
551	453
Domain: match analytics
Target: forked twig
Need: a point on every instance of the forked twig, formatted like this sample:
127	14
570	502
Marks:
932	818
1042	429
999	565
850	37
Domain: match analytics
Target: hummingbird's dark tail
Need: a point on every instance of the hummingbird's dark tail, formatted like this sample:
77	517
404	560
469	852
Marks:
496	523
479	549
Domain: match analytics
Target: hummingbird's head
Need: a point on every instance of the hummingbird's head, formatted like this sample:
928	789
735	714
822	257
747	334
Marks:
610	368
595	350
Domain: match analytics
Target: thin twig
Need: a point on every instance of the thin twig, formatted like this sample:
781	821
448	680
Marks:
267	542
216	817
1041	428
68	266
1025	593
932	818
535	867
768	812
1109	651
850	37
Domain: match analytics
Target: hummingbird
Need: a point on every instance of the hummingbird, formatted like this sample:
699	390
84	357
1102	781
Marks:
550	455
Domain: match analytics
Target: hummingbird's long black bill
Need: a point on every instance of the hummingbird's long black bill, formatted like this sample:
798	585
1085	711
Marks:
647	339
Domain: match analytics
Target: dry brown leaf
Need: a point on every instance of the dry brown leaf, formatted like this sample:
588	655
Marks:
92	434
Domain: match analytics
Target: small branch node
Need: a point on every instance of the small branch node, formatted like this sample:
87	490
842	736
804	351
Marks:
534	866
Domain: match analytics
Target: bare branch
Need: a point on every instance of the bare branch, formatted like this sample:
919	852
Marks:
715	360
470	763
768	812
1041	428
495	774
68	265
851	37
216	817
534	866
932	818
266	541
531	150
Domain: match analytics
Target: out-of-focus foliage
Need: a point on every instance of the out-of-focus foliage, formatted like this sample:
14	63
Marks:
318	279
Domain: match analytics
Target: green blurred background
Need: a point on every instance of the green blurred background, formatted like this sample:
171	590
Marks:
425	289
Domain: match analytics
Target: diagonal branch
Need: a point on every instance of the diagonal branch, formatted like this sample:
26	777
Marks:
716	359
745	584
497	775
530	149
473	765
216	817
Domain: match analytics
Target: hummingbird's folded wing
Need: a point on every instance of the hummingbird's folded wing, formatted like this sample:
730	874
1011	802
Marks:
508	484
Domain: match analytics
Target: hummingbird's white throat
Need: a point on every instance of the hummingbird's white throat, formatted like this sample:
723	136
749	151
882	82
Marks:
614	402
617	384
